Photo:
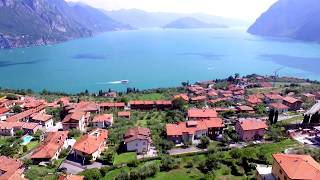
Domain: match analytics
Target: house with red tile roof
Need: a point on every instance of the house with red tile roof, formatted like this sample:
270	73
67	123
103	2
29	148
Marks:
205	84
193	130
102	121
90	146
112	105
124	114
45	120
281	108
201	114
308	97
138	139
4	113
51	147
163	104
273	98
251	129
64	101
10	128
253	100
293	103
26	115
141	105
185	97
213	94
198	99
83	107
11	169
295	167
70	177
75	120
245	109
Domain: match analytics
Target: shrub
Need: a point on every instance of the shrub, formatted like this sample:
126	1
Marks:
92	174
204	142
168	163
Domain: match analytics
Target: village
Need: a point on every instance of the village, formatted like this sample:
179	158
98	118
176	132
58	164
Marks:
251	127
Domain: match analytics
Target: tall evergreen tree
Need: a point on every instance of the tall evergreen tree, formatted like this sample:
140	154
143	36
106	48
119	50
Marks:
276	116
271	115
306	119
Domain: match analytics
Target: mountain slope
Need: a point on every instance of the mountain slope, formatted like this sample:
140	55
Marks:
191	23
143	19
38	22
290	18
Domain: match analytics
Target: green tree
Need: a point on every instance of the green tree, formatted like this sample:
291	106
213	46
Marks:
19	133
24	148
17	109
179	104
204	142
276	116
271	116
168	163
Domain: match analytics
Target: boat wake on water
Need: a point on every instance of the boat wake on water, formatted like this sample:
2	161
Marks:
114	82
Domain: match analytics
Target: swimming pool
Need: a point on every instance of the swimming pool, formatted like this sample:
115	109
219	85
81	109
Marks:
26	139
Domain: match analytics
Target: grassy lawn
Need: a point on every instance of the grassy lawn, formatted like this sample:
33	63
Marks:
124	158
3	140
297	119
38	173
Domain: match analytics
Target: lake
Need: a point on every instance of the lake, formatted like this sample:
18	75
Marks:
154	58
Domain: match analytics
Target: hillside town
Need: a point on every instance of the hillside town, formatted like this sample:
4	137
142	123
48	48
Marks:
251	127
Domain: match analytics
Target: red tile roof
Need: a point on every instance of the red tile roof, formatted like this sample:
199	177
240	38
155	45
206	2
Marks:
124	113
191	127
252	124
53	142
163	102
78	115
42	117
298	166
138	102
19	125
245	108
183	96
112	104
279	106
91	142
273	96
11	168
4	110
137	133
103	118
290	100
25	114
254	99
212	93
198	98
202	113
309	95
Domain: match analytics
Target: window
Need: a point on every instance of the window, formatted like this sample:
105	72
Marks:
136	144
280	171
144	143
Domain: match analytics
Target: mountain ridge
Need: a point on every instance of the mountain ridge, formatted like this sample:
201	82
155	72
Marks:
291	19
191	23
27	23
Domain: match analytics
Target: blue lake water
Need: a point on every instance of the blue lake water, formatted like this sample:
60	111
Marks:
154	58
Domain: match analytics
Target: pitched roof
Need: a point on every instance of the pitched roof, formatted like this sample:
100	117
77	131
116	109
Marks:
279	106
91	142
103	118
183	96
202	113
254	99
252	124
74	116
124	113
298	166
198	98
50	145
10	167
191	127
25	114
309	95
24	125
245	108
112	104
137	133
274	96
290	100
42	117
4	110
163	102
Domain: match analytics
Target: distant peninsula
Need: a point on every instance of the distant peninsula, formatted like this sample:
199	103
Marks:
192	23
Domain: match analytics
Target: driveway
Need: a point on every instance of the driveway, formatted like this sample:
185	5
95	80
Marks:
185	151
72	167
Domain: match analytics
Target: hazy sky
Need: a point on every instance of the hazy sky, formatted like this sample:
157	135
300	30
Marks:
240	9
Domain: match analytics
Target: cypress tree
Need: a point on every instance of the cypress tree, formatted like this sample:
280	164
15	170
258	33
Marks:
276	116
271	115
306	119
